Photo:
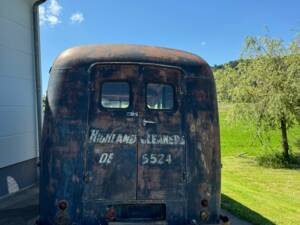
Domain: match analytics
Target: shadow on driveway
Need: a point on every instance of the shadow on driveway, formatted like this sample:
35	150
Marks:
244	212
19	216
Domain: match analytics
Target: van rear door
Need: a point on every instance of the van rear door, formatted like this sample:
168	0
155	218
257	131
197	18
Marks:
161	145
135	148
111	147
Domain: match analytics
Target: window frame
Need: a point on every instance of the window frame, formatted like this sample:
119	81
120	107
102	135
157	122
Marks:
129	95
174	107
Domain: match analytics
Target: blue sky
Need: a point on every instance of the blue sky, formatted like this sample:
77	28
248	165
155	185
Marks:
213	29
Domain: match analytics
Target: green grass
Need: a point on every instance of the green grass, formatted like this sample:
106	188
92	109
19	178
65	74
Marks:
260	195
240	137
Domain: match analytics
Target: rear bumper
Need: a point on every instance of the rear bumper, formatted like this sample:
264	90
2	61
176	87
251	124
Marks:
159	223
227	223
224	221
139	223
221	223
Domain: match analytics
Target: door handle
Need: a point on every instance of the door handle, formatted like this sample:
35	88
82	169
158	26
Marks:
145	122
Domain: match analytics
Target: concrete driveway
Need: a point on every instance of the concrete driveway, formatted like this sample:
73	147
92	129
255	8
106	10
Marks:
20	208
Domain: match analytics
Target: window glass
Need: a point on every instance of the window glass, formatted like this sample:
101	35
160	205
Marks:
160	96
115	95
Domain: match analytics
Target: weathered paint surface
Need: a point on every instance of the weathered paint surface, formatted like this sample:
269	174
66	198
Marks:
96	136
100	166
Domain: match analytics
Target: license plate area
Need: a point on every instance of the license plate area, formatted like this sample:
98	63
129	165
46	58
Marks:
139	212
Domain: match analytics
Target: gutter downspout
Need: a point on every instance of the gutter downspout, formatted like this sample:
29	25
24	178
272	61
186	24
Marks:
37	76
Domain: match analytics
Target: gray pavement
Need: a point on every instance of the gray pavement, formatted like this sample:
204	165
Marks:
22	209
233	219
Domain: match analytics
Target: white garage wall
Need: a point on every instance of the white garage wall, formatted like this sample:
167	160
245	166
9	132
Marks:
17	85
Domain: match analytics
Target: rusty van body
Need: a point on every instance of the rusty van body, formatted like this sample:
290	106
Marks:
130	136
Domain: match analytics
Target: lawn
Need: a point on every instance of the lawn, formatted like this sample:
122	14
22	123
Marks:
260	195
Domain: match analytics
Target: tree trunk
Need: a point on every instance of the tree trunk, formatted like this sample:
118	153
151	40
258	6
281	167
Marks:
284	139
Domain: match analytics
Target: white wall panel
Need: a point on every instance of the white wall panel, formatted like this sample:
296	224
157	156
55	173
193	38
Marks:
17	11
17	148
15	63
16	120
17	88
15	36
16	91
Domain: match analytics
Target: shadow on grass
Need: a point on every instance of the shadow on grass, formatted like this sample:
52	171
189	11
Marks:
278	161
243	212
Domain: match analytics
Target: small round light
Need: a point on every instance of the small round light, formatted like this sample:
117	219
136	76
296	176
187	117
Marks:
62	205
204	215
204	202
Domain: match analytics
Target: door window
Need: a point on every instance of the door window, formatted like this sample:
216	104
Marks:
160	96
115	95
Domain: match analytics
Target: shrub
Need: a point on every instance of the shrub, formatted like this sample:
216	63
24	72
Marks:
277	160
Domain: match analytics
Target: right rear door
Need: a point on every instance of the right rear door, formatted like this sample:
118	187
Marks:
161	146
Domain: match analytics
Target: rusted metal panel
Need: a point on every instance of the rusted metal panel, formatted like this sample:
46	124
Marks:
104	165
203	138
87	55
62	143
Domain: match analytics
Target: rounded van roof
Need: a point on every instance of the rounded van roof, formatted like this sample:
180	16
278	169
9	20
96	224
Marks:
89	54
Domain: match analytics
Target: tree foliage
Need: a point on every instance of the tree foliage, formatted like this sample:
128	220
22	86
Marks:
265	85
226	79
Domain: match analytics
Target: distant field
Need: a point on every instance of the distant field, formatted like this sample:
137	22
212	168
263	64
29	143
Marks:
260	195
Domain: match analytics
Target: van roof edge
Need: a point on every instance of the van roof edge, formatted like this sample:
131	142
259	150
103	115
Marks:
89	54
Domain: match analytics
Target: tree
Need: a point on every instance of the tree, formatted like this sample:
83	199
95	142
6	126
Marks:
226	78
267	85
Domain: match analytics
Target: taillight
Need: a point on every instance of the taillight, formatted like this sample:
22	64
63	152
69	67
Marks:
111	214
62	205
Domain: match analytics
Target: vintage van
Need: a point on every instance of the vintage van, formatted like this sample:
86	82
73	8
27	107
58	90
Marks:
130	136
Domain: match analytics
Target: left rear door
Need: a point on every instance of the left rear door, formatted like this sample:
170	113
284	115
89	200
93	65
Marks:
111	148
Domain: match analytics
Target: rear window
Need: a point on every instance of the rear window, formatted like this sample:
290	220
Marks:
160	96
115	95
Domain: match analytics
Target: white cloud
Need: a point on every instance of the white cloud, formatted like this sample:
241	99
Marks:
42	15
77	17
54	8
53	20
203	43
50	14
